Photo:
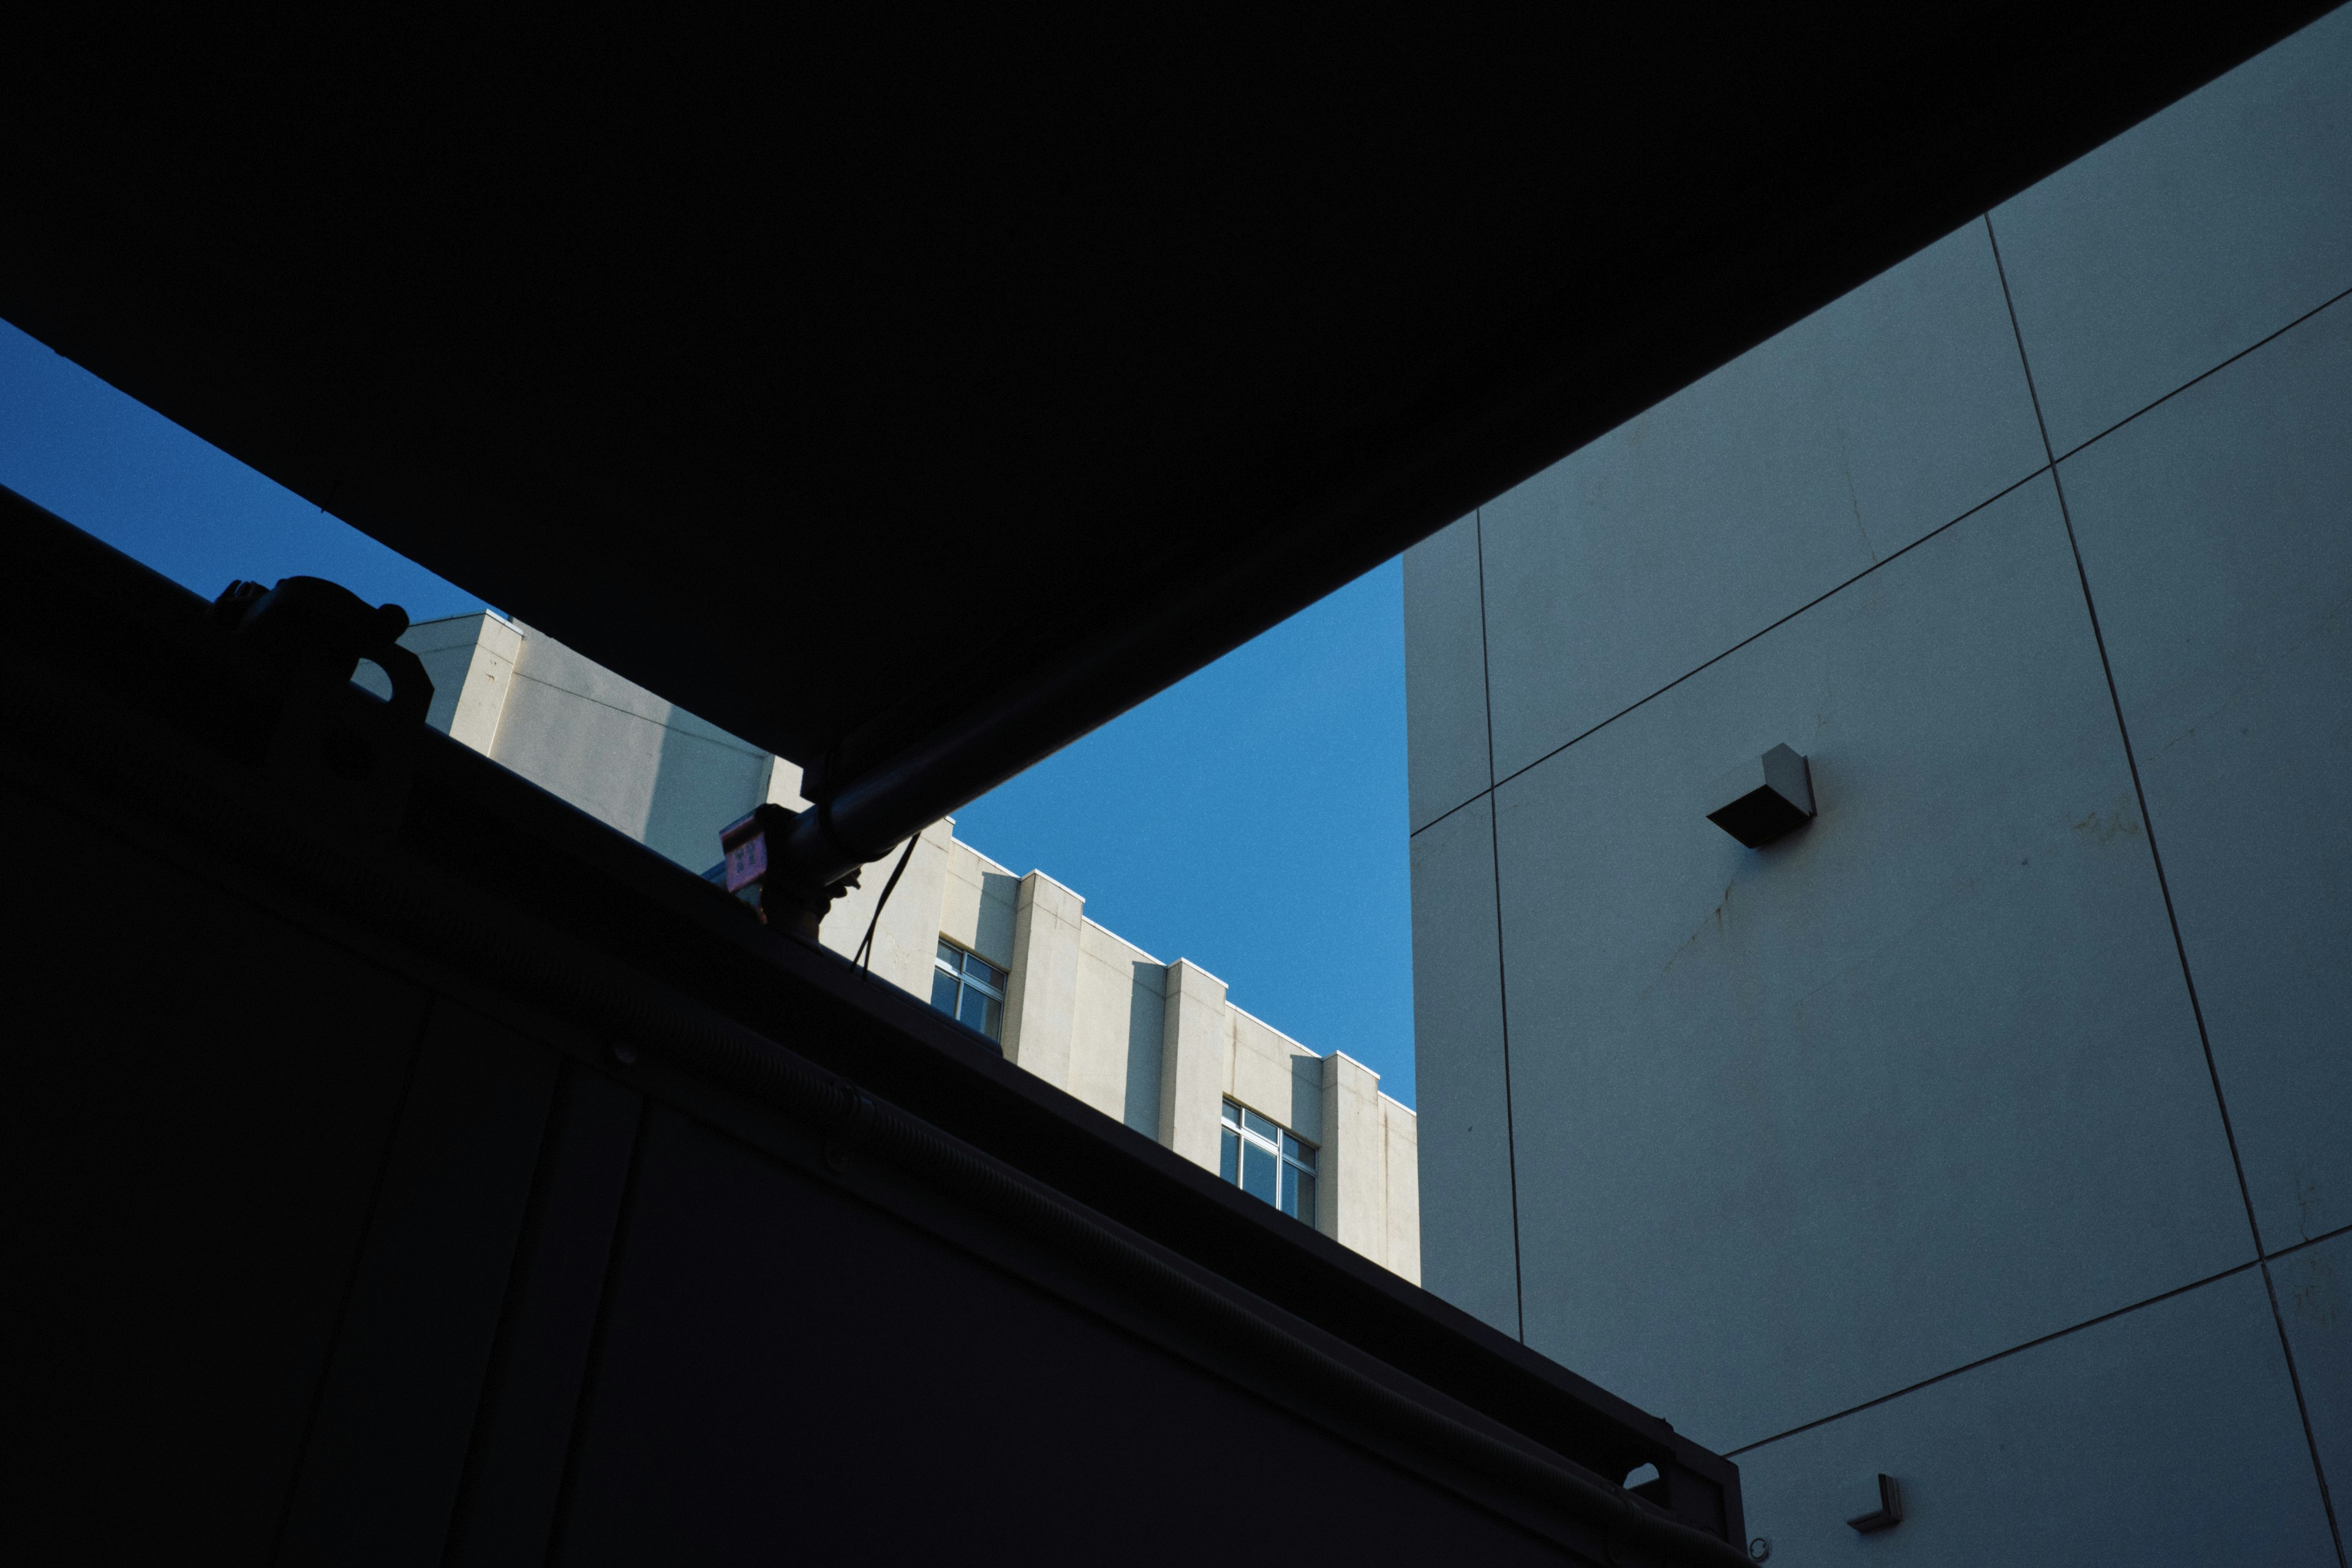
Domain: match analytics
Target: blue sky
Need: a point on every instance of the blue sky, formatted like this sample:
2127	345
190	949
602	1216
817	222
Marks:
1251	818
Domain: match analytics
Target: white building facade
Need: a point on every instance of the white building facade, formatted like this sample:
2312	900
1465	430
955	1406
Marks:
1993	1130
1157	1046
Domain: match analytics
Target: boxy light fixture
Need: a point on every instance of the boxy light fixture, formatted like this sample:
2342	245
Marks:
1765	799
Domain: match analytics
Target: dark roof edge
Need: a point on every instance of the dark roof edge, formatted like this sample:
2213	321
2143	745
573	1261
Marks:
489	870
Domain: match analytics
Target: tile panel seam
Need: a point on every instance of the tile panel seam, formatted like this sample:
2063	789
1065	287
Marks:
1700	668
2324	1238
2264	1256
2023	1345
1502	968
2070	453
2172	917
1984	1361
2211	371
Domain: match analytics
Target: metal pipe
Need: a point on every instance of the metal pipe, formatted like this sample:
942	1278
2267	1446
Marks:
859	818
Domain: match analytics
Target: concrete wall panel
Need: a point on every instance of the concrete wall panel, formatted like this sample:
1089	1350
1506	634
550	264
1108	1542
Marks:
1403	1196
1467	1246
601	756
2217	533
1275	1074
1040	996
1884	415
470	660
1798	1126
963	897
2188	238
1444	673
2315	1303
624	755
1352	1178
2164	1438
1195	1043
703	781
1114	1046
998	914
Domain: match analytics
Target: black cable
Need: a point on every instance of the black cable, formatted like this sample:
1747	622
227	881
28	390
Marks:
865	949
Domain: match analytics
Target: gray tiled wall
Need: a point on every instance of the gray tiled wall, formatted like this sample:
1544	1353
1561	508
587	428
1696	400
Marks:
2314	1298
2018	1462
1758	490
1940	1138
1446	703
2187	240
1914	1086
2217	535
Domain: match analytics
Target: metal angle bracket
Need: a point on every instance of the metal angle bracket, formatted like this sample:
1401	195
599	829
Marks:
1889	1513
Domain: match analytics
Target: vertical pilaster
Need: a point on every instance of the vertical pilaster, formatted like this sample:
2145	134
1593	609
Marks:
1403	1130
1351	1177
1041	999
1192	1062
783	785
471	661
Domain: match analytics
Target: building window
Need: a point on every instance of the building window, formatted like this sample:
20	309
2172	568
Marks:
967	990
1269	1163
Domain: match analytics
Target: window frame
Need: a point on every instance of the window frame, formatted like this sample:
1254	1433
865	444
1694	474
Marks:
966	980
1235	1137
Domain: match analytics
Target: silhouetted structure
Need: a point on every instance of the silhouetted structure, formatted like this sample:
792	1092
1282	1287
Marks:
449	1173
418	1170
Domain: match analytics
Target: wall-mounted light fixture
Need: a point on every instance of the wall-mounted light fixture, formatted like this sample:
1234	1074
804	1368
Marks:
1889	1511
1765	799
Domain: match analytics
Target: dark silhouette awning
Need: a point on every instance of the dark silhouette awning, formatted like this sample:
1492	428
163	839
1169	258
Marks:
925	397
